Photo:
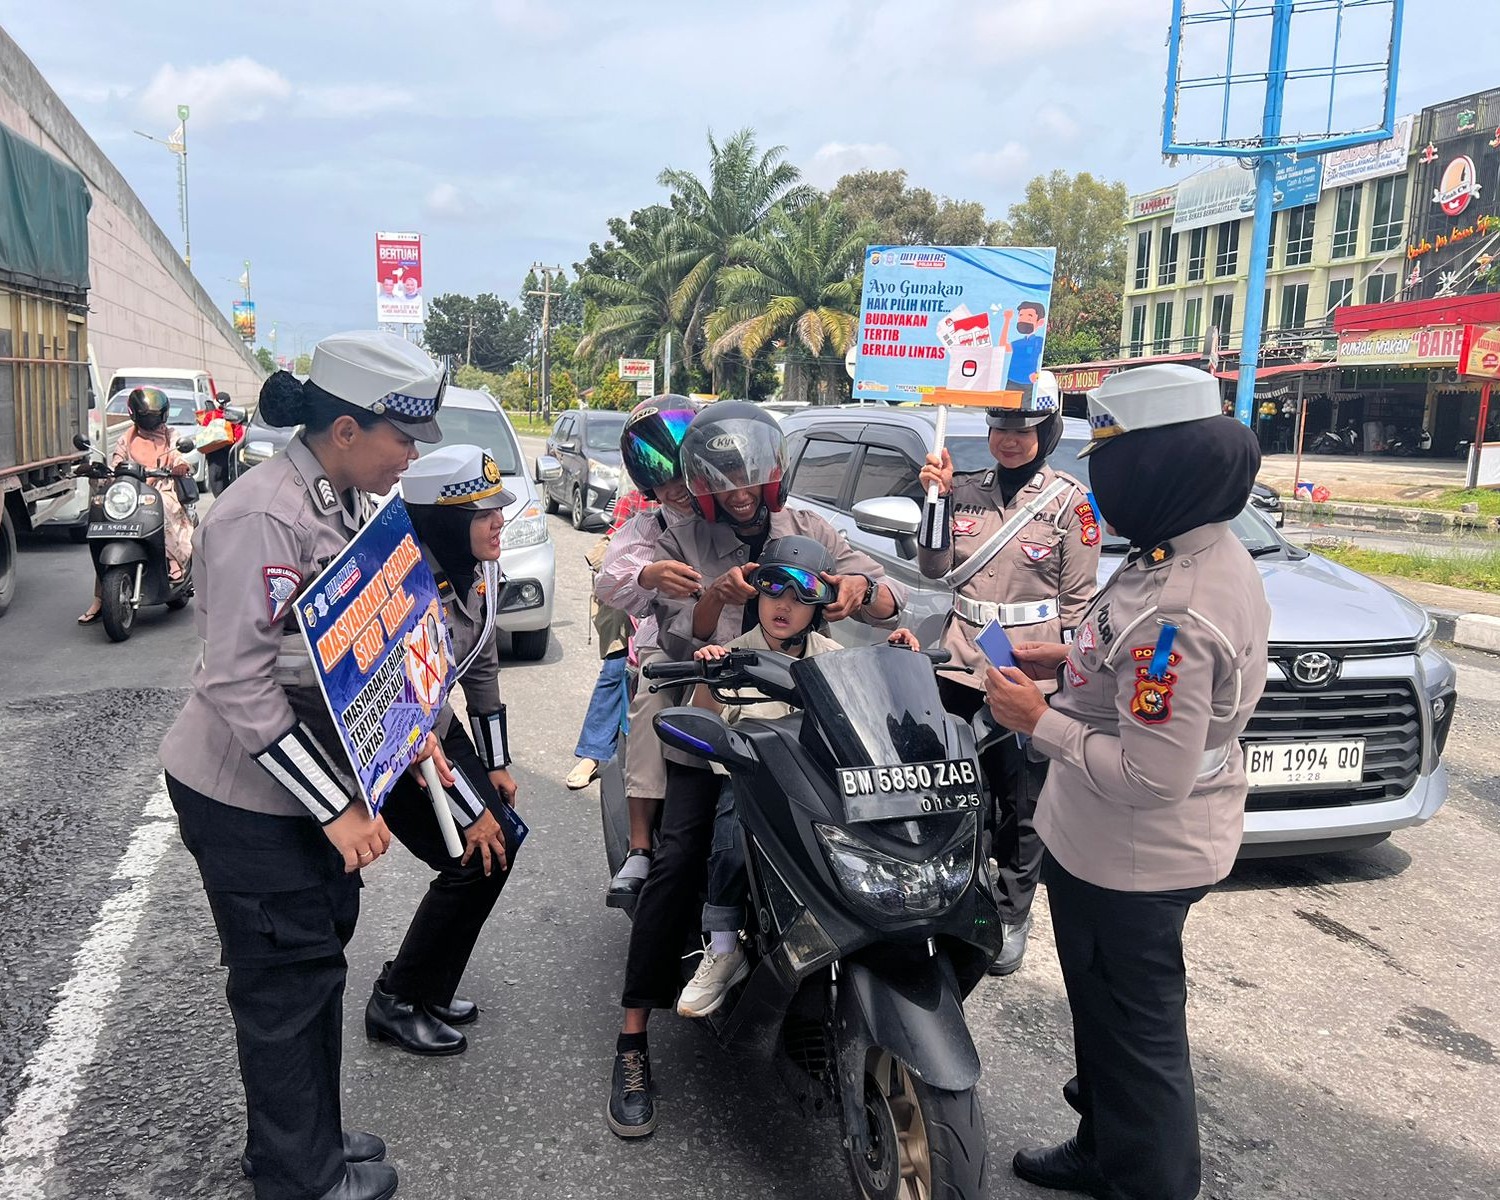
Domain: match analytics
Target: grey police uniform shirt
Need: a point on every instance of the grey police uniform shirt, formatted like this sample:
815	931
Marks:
712	549
262	542
1146	791
1053	559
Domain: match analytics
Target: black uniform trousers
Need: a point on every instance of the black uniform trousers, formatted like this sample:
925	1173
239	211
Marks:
669	909
1121	958
448	921
284	910
1015	782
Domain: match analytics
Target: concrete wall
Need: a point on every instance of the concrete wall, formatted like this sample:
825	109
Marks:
145	307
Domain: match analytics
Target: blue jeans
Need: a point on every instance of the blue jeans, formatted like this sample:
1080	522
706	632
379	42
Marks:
606	717
727	881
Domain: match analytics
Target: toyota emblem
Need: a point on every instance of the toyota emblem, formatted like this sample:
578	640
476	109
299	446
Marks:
1313	669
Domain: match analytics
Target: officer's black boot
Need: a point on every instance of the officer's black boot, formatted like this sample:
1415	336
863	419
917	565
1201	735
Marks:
364	1181
1065	1168
388	1018
358	1147
457	1011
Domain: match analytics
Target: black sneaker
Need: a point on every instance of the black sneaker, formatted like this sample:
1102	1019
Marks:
631	1112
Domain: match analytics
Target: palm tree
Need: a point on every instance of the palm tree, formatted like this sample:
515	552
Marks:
713	219
634	310
797	284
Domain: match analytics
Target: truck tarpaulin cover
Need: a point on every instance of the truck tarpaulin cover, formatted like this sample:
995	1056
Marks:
44	209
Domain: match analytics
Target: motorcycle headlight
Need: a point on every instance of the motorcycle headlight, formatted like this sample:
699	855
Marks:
888	886
120	500
1428	634
527	529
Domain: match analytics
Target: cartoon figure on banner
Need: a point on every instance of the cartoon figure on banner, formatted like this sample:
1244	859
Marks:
428	660
1026	350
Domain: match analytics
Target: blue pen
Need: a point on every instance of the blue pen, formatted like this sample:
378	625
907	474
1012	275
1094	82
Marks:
1094	504
1161	657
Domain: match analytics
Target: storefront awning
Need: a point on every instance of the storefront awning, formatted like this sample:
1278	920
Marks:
1264	373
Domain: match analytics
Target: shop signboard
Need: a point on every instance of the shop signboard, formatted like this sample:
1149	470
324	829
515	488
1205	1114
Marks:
1228	193
398	279
1082	379
1455	199
1374	160
1153	204
1433	346
632	369
244	319
1480	357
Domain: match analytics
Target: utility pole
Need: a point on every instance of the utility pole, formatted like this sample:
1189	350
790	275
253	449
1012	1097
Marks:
469	353
546	294
177	144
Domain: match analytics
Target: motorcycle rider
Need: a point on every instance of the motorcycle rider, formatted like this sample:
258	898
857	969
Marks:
456	500
148	443
629	579
1023	549
734	464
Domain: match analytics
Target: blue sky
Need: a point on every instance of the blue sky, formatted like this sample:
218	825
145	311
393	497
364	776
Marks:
508	131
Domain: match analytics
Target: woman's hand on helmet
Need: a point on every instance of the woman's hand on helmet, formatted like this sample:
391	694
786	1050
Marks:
671	578
734	586
850	598
939	470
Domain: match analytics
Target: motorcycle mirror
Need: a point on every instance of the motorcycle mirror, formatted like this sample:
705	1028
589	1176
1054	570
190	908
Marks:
184	444
233	412
222	398
80	442
702	734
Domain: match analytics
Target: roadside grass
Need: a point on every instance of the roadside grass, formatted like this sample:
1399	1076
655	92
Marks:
1479	571
1452	500
528	423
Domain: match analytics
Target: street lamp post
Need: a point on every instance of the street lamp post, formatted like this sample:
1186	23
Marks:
177	144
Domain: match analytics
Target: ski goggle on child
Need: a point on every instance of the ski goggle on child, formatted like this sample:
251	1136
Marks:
808	587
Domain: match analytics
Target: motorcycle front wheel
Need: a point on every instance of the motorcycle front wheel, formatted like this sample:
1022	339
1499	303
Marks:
116	591
921	1143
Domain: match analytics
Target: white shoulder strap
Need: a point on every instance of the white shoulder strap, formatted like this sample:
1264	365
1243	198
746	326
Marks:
1002	537
491	587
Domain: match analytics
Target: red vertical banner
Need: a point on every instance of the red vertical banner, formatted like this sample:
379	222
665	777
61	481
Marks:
398	278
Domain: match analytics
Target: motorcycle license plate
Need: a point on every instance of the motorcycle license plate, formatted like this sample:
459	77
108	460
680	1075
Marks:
1304	764
114	529
910	789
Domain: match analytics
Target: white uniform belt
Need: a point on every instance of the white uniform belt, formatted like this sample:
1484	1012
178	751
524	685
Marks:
1213	761
982	612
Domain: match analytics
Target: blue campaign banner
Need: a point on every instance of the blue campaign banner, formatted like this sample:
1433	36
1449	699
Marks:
953	324
374	627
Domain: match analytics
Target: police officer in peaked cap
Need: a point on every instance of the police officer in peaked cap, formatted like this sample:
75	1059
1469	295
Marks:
265	797
457	500
1144	805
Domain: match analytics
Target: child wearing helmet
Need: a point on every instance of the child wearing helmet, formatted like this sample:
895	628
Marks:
790	607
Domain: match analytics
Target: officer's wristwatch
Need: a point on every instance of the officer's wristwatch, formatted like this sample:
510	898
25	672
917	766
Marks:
872	589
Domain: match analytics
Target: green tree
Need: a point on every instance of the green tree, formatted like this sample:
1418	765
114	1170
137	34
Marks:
796	286
911	216
482	331
266	360
303	365
715	217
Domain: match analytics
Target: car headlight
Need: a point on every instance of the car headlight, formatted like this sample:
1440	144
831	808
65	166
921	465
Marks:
888	886
256	452
120	500
1428	633
603	476
528	529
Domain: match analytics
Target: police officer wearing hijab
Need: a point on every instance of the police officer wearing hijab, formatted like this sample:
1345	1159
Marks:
264	794
456	500
1143	809
1023	549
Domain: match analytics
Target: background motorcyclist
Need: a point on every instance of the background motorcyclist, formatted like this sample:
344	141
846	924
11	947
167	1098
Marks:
148	443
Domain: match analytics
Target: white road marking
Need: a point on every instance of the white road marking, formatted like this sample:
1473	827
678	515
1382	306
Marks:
54	1076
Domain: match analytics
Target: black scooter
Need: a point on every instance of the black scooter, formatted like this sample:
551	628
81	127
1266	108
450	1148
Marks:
870	916
1336	441
127	539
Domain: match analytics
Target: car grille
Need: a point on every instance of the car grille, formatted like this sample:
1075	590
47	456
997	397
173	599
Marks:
609	509
1384	712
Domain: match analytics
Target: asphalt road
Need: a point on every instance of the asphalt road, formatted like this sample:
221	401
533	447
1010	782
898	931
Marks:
1345	1010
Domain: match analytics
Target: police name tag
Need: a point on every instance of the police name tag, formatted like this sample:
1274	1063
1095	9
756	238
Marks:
909	789
1304	764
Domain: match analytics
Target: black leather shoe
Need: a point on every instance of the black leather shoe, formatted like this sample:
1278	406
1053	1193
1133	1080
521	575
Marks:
410	1026
624	892
358	1147
1014	949
457	1011
1064	1168
364	1181
631	1112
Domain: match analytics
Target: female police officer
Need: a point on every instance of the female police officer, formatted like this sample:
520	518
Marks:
261	787
1023	550
456	500
1144	806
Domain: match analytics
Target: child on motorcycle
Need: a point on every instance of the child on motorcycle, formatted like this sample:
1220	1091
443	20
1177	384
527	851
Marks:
791	597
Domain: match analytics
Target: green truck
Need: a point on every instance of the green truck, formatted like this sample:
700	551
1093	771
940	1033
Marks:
44	375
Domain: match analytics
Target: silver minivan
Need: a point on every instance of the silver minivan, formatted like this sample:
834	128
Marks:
1351	663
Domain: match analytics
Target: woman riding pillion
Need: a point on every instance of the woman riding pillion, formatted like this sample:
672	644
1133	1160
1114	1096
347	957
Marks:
1023	550
630	579
734	465
265	796
456	501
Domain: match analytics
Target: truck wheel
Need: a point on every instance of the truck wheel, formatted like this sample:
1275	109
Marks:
115	592
529	644
8	554
920	1141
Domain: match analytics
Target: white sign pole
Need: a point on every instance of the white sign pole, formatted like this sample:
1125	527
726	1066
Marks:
439	799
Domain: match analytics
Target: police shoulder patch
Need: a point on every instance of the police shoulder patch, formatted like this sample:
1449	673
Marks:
281	585
1152	702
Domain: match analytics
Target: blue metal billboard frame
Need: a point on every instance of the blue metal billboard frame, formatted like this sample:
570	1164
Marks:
1272	139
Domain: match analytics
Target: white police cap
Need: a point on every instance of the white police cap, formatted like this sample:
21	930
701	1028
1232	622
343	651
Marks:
384	374
456	476
1147	398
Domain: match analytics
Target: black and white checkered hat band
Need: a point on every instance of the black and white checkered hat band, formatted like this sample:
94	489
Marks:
469	489
413	408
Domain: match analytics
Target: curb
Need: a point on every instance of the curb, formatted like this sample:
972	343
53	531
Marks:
1387	514
1472	631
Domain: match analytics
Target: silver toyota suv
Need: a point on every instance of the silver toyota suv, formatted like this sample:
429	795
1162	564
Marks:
1345	745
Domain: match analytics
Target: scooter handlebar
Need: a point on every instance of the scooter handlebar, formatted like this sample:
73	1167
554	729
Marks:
672	670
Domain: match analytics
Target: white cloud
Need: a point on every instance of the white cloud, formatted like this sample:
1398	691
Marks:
542	22
354	100
468	199
1002	166
238	89
1057	123
833	160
